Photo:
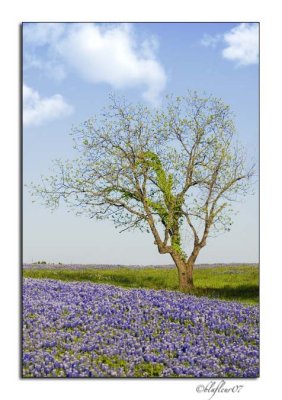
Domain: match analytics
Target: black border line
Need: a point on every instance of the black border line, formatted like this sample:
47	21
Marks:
21	197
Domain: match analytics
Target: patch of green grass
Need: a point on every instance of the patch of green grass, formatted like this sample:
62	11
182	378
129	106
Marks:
113	361
238	283
146	369
31	316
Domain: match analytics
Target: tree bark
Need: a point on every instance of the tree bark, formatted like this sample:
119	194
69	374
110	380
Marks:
185	273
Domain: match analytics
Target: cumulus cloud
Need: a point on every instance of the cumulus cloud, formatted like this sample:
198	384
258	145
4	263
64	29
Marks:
43	35
37	109
104	53
243	44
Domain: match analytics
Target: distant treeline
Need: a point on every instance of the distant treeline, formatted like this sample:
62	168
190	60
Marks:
45	265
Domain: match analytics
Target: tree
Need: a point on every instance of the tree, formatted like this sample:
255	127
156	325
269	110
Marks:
165	170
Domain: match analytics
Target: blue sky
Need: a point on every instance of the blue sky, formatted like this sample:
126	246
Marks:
69	71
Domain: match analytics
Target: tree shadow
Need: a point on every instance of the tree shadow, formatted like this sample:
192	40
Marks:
240	292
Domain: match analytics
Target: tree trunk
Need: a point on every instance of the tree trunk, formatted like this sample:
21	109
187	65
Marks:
185	274
186	279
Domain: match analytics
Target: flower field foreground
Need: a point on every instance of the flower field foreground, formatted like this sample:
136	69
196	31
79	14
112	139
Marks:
78	329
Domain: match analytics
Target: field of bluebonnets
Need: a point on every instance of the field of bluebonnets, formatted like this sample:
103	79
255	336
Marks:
84	329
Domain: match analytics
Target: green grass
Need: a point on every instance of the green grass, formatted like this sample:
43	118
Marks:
226	283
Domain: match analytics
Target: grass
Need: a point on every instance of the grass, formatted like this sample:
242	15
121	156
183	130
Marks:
240	283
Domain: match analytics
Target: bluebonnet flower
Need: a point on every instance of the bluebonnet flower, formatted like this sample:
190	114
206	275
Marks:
75	329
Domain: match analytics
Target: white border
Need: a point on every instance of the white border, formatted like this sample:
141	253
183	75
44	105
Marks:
30	10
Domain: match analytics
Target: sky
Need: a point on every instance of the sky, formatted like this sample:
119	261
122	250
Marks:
69	70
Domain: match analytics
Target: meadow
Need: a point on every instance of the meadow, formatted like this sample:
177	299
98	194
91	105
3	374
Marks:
133	322
83	329
231	283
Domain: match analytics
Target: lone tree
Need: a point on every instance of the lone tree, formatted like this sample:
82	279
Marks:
165	171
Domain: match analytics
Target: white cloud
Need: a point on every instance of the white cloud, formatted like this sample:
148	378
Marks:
211	41
37	110
104	54
243	44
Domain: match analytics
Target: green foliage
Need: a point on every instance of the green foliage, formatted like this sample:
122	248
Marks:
148	369
169	209
32	316
40	262
164	181
126	195
176	245
226	283
167	171
114	362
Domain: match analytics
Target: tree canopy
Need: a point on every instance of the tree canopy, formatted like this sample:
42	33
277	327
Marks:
164	170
